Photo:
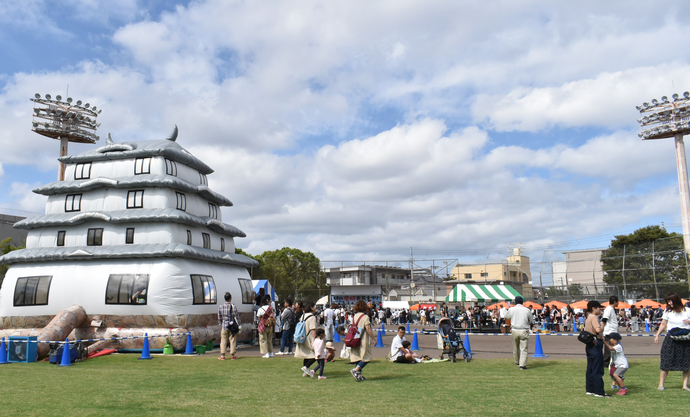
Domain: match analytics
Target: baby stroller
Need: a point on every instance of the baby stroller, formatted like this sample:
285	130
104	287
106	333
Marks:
449	342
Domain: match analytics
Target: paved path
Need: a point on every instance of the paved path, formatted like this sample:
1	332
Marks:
499	346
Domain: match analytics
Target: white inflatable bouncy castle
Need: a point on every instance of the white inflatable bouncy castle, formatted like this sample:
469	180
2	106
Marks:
133	236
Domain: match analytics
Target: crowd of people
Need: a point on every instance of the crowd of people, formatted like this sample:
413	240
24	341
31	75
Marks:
310	331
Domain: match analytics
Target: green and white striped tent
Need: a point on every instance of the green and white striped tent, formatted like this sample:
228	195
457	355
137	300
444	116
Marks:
482	293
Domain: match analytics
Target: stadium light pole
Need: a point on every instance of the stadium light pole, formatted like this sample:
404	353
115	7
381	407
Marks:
671	119
64	121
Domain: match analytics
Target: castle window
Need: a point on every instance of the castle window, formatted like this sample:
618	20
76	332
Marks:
142	166
94	237
73	202
247	291
170	167
135	199
222	244
61	238
202	179
181	201
127	289
207	240
32	291
129	237
203	289
189	237
82	171
212	211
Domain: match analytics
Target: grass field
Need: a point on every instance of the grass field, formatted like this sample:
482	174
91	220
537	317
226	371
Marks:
201	385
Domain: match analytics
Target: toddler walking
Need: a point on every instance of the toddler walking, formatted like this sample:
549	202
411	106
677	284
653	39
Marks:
619	363
320	352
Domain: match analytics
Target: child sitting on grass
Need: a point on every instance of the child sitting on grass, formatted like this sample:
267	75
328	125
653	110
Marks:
619	363
320	352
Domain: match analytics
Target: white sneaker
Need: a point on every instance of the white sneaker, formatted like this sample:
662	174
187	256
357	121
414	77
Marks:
266	356
305	370
271	355
281	353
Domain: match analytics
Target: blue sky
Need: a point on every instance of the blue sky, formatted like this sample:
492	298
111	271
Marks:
359	130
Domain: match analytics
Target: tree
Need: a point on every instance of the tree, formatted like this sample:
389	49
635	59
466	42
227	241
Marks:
292	273
650	261
7	247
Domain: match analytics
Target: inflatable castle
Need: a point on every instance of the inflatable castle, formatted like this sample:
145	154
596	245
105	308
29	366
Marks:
131	242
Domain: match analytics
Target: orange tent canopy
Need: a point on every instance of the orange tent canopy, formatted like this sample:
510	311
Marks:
555	304
647	302
423	306
621	304
531	304
580	304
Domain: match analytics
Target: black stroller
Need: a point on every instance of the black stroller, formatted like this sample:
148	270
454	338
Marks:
449	342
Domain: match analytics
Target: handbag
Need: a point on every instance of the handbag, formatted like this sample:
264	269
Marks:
233	327
586	337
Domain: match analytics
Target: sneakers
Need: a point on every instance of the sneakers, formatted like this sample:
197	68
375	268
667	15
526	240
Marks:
622	391
523	368
271	355
590	393
322	377
221	358
661	388
306	371
614	386
266	356
233	357
355	374
686	389
311	373
280	353
602	395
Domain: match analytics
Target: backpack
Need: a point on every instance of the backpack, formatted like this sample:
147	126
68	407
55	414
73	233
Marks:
352	338
300	332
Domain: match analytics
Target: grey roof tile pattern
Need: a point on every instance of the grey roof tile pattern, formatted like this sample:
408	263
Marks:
171	250
134	181
141	149
129	216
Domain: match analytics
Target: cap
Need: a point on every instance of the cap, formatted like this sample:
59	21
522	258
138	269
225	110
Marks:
615	336
519	300
593	304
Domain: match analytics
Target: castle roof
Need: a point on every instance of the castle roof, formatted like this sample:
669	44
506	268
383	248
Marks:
129	150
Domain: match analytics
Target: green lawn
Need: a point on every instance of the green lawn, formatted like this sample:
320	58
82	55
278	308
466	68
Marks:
201	385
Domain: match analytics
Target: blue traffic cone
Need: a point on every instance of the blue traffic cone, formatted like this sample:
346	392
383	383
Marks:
538	351
408	328
415	342
647	327
3	352
468	349
379	340
66	359
190	348
145	351
336	338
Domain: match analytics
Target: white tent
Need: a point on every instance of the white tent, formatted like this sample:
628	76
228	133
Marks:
396	305
322	301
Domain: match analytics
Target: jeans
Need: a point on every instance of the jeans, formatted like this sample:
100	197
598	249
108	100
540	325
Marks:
287	339
595	368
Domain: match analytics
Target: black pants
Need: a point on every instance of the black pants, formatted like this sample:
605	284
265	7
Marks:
320	364
595	368
308	362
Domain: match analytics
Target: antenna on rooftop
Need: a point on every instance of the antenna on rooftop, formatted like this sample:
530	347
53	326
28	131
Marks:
65	121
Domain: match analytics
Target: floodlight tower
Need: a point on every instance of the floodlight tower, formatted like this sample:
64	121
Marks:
65	122
671	119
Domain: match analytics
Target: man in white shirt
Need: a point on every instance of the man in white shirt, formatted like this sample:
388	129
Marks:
521	322
610	321
397	352
328	322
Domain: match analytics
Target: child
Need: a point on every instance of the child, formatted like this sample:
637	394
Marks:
618	361
405	350
330	352
320	352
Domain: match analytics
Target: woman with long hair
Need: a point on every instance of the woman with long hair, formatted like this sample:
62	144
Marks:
675	355
305	350
361	355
